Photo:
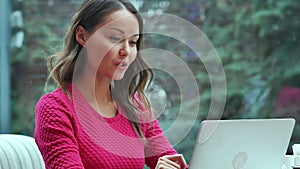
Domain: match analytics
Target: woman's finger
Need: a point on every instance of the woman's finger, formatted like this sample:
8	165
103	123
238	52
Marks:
178	158
164	163
170	162
163	166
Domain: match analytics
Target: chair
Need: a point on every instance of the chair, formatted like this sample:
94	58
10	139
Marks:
19	152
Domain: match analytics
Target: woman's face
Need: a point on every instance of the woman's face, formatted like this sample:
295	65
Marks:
112	46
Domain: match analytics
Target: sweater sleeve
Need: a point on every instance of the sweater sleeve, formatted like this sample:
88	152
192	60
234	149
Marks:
54	133
157	145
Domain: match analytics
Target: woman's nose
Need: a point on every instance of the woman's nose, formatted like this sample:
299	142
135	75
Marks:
125	49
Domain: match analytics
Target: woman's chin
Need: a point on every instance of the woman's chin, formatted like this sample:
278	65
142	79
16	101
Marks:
118	76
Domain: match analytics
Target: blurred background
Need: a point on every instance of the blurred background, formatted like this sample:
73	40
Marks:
257	41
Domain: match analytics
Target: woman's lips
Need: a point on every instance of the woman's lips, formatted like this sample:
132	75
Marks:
122	66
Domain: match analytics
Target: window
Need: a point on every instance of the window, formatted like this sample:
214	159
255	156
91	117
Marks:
257	43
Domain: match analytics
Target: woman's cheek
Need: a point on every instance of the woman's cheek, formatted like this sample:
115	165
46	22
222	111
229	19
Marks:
96	52
97	46
94	55
133	55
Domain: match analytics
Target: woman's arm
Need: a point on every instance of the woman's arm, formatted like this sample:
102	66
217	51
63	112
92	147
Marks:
159	152
54	134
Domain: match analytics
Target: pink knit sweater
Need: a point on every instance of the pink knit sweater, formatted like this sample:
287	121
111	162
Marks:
71	134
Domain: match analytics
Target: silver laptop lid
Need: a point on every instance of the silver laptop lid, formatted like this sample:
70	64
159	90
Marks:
242	144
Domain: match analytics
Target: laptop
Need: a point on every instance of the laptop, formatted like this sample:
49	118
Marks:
242	144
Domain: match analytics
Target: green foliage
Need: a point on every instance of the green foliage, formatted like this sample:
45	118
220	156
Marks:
258	43
255	38
45	23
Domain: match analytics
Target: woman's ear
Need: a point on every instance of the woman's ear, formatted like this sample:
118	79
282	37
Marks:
81	35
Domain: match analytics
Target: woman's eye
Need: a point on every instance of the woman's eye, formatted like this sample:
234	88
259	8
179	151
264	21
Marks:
133	43
114	39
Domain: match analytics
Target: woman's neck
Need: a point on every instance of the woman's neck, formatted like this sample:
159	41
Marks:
97	92
94	87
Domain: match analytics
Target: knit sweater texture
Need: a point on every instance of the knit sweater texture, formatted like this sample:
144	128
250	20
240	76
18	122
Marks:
71	134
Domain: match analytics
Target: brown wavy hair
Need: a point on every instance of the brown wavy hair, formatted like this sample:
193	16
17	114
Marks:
138	76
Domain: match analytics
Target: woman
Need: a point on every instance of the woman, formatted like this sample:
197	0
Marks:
99	117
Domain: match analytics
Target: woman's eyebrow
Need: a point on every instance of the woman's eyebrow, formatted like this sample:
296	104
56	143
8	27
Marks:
122	32
119	30
135	35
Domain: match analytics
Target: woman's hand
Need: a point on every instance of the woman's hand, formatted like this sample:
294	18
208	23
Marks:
175	161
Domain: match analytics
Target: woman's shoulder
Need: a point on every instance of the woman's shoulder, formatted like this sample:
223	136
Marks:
54	111
55	99
56	94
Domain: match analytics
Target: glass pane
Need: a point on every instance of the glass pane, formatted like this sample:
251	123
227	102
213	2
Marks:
256	42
